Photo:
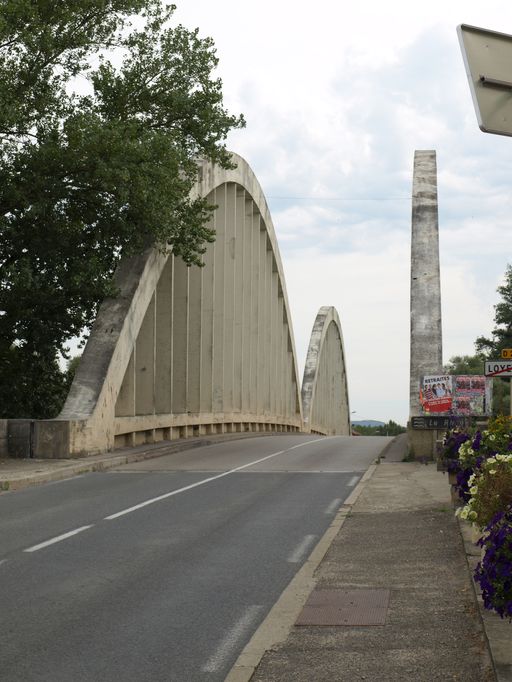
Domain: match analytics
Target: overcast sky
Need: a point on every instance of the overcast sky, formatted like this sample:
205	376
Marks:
337	97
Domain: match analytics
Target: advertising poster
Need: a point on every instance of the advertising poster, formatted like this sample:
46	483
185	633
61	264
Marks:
436	394
458	396
471	395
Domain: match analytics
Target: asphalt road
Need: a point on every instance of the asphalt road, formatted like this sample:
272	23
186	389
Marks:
162	570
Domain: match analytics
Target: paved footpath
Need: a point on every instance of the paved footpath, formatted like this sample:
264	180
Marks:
400	535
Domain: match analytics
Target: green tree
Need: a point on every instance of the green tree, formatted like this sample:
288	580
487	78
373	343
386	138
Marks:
37	386
465	364
501	337
105	109
392	429
389	429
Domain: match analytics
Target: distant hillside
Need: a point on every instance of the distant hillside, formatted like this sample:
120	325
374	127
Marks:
368	422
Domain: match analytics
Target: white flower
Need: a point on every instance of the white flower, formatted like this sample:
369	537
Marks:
473	490
472	515
466	448
491	460
492	471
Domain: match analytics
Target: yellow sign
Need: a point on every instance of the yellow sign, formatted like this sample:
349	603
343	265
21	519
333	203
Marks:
506	353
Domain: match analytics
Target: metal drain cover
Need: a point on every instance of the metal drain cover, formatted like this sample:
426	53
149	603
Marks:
345	607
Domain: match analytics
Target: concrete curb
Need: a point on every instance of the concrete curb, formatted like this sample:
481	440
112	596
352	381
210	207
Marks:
69	469
284	613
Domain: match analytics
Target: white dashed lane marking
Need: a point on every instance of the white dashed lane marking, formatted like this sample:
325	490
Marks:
298	553
58	538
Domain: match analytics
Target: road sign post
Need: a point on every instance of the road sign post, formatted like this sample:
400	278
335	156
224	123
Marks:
506	353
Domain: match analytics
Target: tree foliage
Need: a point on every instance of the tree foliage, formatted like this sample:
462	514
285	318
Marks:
501	335
105	108
489	348
389	429
465	364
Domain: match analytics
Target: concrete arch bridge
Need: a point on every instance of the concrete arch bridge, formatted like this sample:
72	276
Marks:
184	351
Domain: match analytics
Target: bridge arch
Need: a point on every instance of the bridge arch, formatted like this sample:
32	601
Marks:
185	351
325	402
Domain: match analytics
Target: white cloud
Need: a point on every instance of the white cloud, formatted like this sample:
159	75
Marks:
337	98
370	292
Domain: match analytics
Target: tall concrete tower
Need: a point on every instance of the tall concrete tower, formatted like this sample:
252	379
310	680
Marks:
426	334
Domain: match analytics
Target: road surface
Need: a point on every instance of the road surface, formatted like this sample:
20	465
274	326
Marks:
162	570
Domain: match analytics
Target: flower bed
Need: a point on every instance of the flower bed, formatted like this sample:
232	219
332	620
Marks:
490	490
481	464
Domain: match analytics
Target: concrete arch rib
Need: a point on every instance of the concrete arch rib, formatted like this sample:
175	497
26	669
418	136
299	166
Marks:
165	309
325	403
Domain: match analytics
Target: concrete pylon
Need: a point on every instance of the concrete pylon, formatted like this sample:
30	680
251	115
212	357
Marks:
426	332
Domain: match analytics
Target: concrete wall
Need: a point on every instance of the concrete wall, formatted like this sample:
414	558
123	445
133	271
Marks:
185	351
325	404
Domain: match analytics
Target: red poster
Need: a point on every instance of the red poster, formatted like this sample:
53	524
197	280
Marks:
436	394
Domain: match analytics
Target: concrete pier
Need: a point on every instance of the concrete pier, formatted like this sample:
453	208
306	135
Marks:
426	332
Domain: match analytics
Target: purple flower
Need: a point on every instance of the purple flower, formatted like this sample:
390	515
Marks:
462	485
477	441
494	572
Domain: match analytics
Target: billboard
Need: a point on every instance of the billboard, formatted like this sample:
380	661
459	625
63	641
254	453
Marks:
462	395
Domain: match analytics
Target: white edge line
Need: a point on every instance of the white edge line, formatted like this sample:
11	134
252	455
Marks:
205	480
333	506
301	549
231	639
353	481
59	538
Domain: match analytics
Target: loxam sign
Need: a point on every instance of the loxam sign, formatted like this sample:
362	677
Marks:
497	368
